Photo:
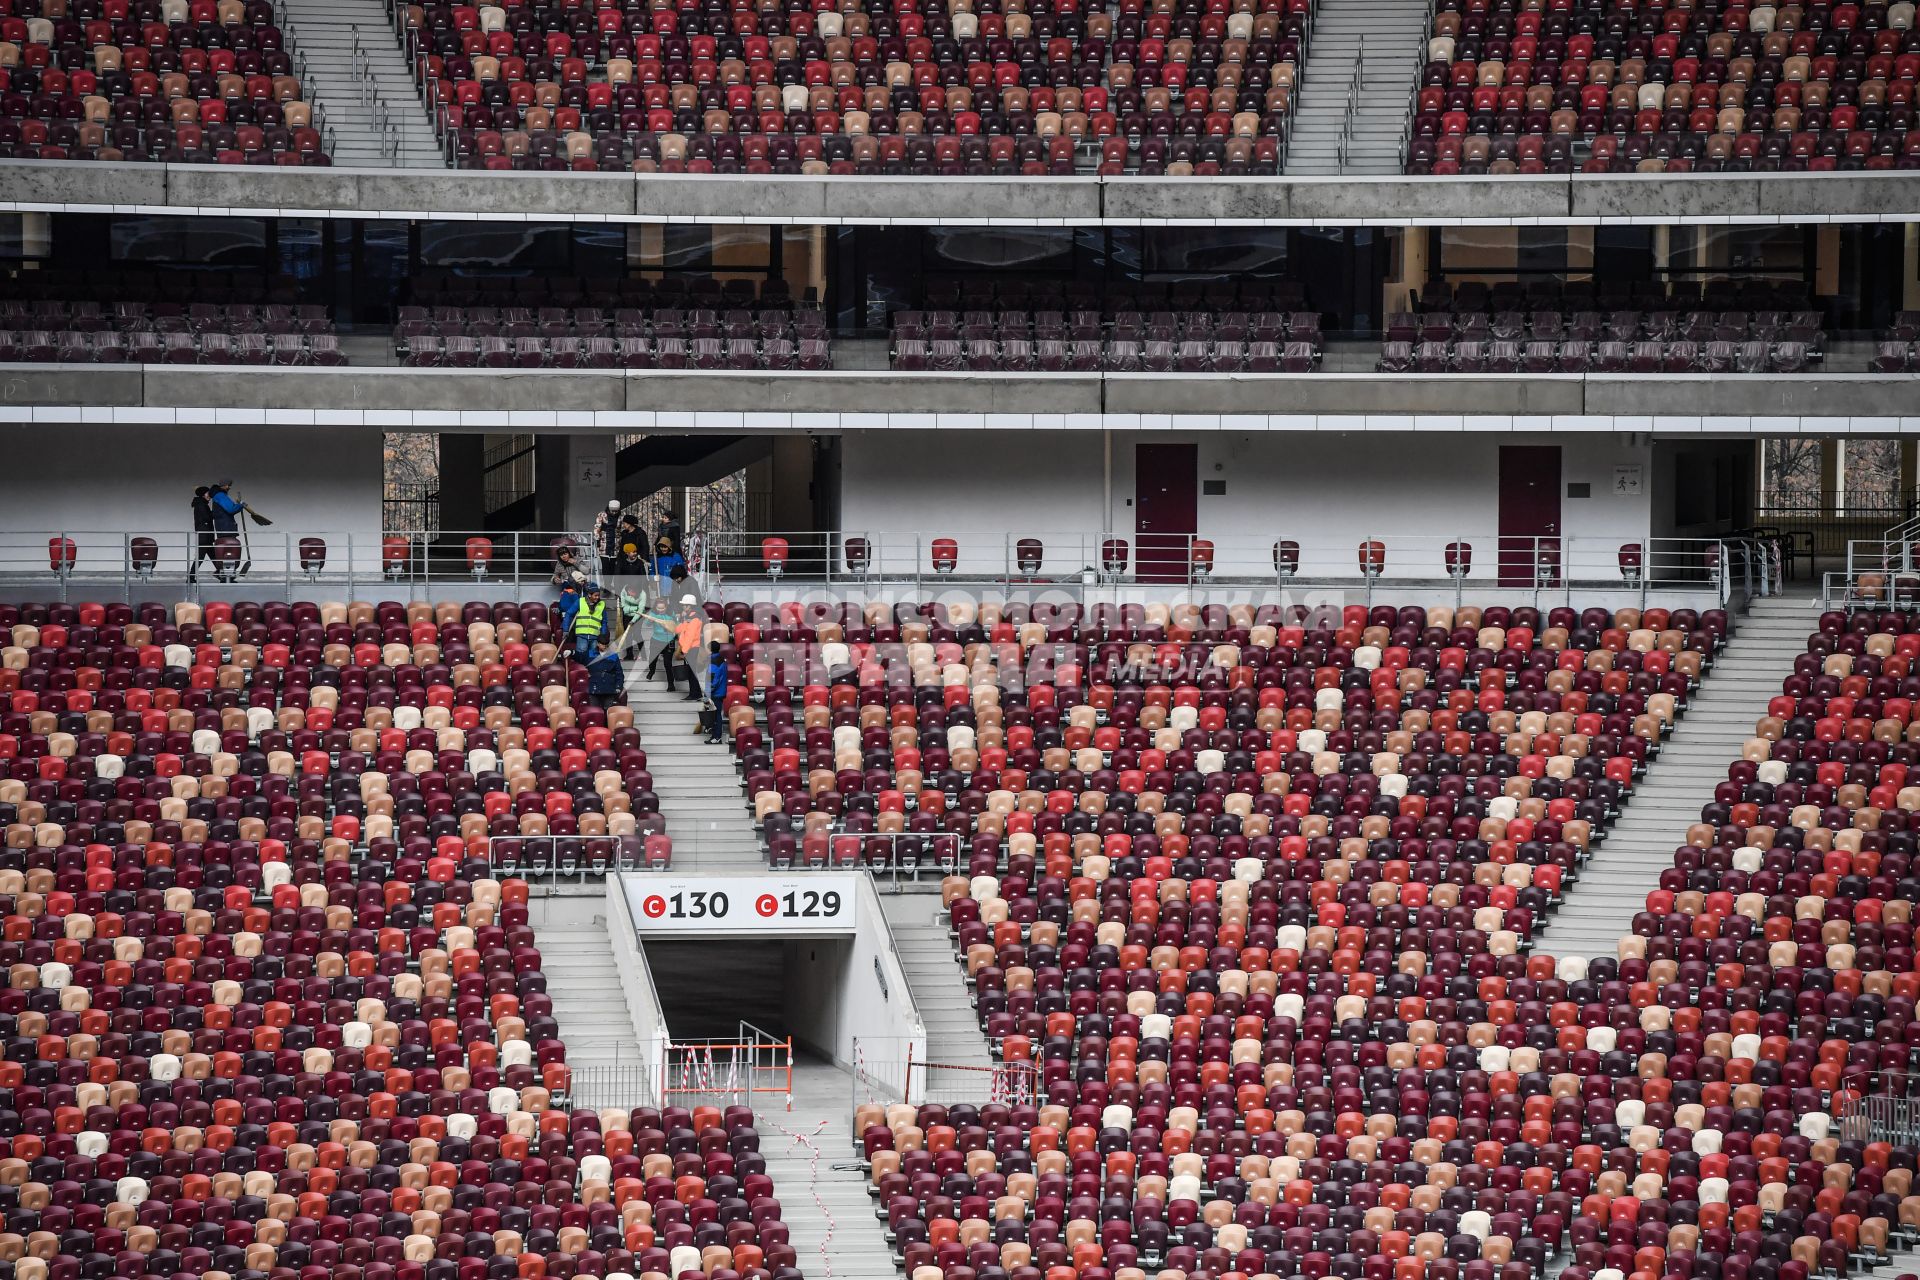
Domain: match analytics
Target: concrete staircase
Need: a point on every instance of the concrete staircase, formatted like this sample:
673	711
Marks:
587	997
1693	760
698	788
1392	31
817	1176
322	32
939	990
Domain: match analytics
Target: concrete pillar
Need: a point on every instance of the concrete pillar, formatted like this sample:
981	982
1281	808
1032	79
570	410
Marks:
1830	487
463	473
573	481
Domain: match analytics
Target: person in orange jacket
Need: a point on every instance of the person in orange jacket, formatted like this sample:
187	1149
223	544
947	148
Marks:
687	646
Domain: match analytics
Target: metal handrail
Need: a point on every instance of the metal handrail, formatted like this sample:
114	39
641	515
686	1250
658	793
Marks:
1075	561
1353	103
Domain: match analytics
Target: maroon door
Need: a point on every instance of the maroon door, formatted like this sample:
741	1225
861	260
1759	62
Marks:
1165	509
1529	512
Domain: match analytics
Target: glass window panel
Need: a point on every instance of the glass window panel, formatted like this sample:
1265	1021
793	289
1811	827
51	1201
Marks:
495	246
1213	251
1870	475
999	249
202	243
1790	473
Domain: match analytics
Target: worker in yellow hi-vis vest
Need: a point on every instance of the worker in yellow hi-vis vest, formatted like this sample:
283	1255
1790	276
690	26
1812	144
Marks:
590	623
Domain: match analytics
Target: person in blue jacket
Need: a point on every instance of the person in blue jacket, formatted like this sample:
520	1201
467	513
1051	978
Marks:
606	678
569	605
716	695
226	508
666	559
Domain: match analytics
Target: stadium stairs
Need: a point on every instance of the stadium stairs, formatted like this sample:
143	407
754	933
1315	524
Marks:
698	788
1391	29
323	33
1720	717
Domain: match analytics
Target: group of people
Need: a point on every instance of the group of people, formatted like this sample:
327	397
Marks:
624	549
599	632
216	514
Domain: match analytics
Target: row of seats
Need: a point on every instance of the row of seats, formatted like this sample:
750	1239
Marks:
1625	325
1245	294
206	81
425	351
620	322
270	1014
1199	340
928	87
1677	356
1794	88
163	317
144	346
1016	355
1091	325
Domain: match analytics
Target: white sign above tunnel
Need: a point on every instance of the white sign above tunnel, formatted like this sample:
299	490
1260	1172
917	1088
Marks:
754	903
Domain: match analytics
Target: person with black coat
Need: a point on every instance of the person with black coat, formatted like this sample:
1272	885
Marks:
202	530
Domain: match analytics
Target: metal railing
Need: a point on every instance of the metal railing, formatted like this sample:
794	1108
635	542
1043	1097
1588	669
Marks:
1353	103
1088	564
1829	534
270	563
887	1070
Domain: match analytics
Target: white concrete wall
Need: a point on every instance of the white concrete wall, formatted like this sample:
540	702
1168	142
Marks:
1326	491
120	480
846	990
649	1024
976	487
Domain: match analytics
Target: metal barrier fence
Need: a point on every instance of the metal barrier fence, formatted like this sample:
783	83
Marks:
1878	1106
892	858
580	859
879	1076
260	562
755	1065
602	1085
1544	567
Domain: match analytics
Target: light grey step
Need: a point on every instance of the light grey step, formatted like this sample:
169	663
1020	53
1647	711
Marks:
1613	885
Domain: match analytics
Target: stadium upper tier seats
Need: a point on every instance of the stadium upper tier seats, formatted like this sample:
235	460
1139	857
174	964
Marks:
1608	87
268	1012
1258	327
610	323
1225	1063
1645	328
189	317
181	81
1898	350
927	87
987	739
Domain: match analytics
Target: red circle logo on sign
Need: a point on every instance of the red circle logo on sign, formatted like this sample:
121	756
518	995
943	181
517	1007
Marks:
655	906
766	904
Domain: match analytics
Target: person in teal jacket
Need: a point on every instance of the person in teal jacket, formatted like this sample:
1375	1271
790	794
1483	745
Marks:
659	638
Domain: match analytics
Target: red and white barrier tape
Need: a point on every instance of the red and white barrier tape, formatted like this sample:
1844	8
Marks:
813	1174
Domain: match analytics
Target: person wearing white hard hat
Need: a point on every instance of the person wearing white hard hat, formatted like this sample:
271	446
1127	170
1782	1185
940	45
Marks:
606	538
